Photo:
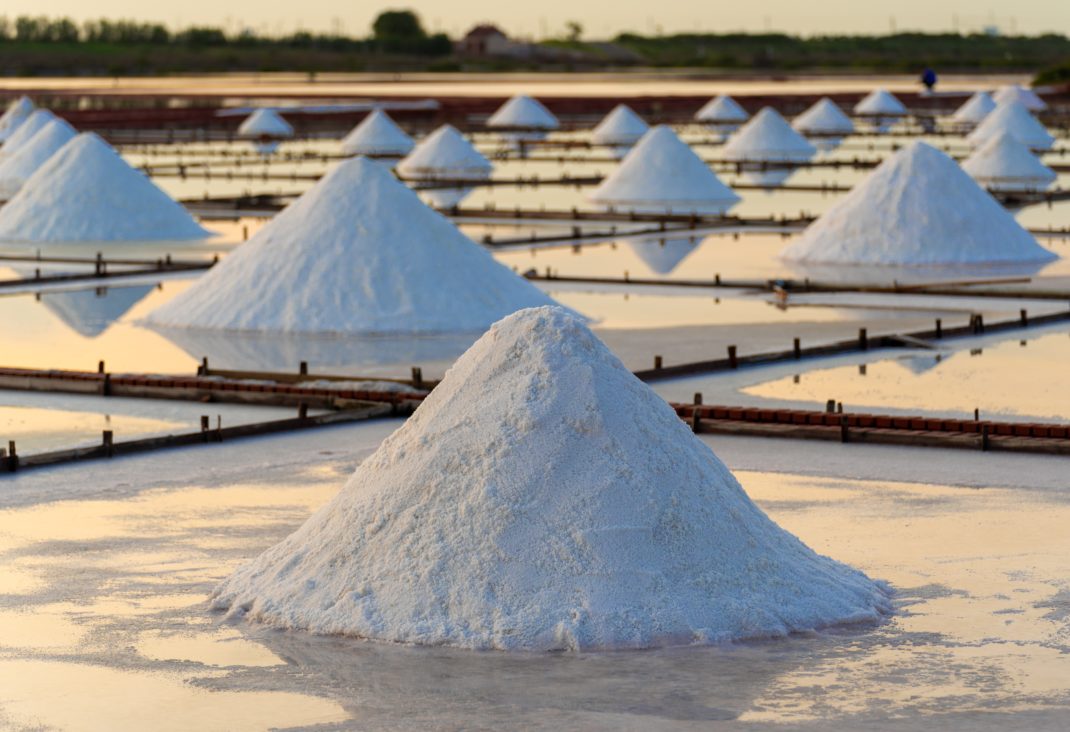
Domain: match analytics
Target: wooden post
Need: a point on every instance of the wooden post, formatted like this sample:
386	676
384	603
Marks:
657	362
302	369
844	436
984	438
830	406
698	398
205	424
939	328
733	362
1024	316
203	370
797	348
717	279
417	377
100	367
863	339
696	423
302	411
105	387
976	414
108	443
12	457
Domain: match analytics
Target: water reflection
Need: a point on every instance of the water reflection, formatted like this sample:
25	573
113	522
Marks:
91	312
863	273
663	255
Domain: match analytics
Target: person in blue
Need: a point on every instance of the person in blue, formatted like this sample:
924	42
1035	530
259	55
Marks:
928	78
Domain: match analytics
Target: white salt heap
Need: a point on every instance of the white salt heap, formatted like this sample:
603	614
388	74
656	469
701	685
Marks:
265	123
917	208
16	169
377	134
523	111
1015	120
1016	93
357	253
445	153
768	138
87	192
722	109
824	117
620	128
15	114
880	103
974	110
1004	164
25	132
543	498
662	174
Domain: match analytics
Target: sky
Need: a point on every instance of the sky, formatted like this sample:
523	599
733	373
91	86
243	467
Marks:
602	19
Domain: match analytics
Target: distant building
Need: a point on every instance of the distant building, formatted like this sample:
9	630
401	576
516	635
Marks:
488	40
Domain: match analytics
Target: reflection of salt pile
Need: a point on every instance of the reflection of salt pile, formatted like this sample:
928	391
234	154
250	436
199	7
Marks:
16	169
722	115
91	312
882	108
768	138
1015	120
620	129
377	134
544	498
266	128
662	174
445	154
33	124
530	118
1015	93
974	110
1004	164
826	122
662	256
917	208
358	253
15	114
87	192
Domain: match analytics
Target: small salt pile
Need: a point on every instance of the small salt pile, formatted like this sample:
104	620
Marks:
357	253
1016	93
722	115
619	130
17	168
87	192
15	114
543	498
25	132
917	208
445	153
265	127
661	174
523	111
1015	120
974	110
825	123
378	135
1004	164
882	108
768	138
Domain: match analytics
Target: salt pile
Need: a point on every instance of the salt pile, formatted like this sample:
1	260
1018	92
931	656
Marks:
445	153
768	138
1004	164
663	174
543	498
880	103
15	114
265	123
25	131
974	110
1015	120
917	208
357	253
523	111
377	134
826	122
1016	93
620	129
722	109
16	169
87	192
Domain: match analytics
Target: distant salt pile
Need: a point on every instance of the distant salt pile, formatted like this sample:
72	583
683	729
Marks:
377	134
445	154
662	174
881	108
1015	120
357	253
33	124
15	114
543	498
266	128
619	130
17	168
1004	164
825	123
917	208
974	110
1016	93
87	192
524	112
768	138
722	115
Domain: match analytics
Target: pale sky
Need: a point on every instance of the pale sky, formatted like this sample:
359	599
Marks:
600	19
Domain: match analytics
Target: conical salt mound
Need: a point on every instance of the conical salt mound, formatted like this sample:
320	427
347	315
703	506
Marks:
377	134
1015	93
661	173
523	111
543	498
722	109
16	169
87	192
768	137
1005	164
622	126
266	123
917	208
824	118
1015	120
15	114
976	108
880	102
445	153
25	132
357	253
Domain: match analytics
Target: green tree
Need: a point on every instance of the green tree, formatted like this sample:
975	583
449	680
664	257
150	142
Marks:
398	27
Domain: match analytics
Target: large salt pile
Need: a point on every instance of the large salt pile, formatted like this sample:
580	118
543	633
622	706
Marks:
15	114
1015	120
620	130
825	122
662	174
1004	164
974	110
445	153
767	138
543	498
377	134
357	253
33	124
17	168
1016	93
917	208
87	192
